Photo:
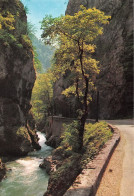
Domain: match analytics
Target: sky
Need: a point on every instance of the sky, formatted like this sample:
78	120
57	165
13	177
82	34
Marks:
39	8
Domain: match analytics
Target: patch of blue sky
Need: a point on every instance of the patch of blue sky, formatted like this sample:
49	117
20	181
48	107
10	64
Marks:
39	8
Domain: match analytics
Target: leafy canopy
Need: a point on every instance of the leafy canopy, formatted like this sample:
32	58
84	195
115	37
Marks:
74	36
84	25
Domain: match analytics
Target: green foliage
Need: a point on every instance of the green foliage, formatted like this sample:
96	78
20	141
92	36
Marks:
31	30
42	53
13	27
6	20
70	136
42	96
75	36
95	137
15	32
6	27
22	131
45	52
37	63
26	9
26	42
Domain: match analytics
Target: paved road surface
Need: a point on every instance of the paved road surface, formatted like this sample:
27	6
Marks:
127	183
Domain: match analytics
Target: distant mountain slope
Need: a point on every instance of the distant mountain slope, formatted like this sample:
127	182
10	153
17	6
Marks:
45	52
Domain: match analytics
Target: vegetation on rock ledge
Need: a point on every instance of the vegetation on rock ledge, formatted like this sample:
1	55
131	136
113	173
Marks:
69	163
13	27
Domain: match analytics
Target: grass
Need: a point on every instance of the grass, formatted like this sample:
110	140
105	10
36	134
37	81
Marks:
95	137
72	162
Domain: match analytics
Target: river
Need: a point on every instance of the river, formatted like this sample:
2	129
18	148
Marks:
24	176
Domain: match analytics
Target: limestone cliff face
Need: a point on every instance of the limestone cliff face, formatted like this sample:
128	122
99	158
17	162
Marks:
17	76
108	6
114	51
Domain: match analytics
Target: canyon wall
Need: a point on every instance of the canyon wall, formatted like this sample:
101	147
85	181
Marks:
17	77
2	170
115	53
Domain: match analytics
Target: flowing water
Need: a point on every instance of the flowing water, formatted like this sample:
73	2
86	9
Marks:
24	177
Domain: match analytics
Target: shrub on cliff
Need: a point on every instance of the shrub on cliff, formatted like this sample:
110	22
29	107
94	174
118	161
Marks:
13	26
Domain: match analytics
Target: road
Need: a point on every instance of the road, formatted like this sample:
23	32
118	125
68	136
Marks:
126	187
122	163
127	183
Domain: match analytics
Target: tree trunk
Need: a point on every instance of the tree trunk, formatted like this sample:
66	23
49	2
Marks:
81	131
97	105
84	116
85	105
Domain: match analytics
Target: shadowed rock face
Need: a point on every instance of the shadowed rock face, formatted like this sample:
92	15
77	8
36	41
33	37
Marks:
17	77
115	53
2	170
108	6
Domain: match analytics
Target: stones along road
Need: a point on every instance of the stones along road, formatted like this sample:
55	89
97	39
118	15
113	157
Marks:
124	166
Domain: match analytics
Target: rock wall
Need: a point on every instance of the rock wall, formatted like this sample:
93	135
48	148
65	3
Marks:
115	53
2	170
54	130
17	77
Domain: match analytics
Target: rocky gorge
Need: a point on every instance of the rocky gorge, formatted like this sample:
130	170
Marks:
17	77
115	82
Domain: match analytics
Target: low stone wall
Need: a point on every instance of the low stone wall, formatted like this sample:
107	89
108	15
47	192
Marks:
86	184
55	129
56	124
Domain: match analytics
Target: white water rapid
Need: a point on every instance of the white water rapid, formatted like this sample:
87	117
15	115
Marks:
24	177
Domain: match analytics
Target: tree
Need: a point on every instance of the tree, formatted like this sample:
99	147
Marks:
42	96
37	63
45	53
75	36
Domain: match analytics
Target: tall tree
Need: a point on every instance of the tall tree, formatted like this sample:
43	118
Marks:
75	36
42	96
